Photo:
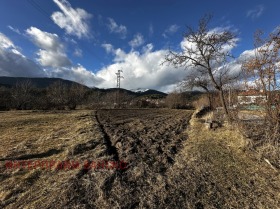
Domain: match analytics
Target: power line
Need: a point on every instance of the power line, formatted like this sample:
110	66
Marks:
37	6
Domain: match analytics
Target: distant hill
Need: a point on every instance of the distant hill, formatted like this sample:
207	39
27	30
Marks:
46	82
148	92
152	92
38	82
139	90
144	92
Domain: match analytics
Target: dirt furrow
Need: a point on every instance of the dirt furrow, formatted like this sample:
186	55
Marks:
112	150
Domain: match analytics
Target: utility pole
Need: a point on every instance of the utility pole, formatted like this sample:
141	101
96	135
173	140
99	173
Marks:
119	76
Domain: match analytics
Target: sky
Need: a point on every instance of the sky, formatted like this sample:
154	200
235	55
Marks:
88	41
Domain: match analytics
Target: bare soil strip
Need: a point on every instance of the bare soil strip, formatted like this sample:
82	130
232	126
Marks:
111	149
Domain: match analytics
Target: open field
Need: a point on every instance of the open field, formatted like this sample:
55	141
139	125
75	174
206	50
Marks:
171	161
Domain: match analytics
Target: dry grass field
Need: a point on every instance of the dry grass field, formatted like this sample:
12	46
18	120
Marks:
172	161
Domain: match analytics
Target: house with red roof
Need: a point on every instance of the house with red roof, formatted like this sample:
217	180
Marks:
251	96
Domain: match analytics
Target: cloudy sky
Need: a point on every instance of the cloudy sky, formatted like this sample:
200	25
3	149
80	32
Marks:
88	41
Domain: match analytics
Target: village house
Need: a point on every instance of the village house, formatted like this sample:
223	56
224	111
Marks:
251	96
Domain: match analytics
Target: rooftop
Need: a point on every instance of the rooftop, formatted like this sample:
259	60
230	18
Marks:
251	92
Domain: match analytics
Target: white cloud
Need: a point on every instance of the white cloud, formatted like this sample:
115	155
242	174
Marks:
247	54
76	73
5	42
169	88
148	48
140	70
53	59
151	30
14	29
73	21
115	28
170	30
13	63
137	40
108	47
44	40
255	12
78	52
7	45
51	52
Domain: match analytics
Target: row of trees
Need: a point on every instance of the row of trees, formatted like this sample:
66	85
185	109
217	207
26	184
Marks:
25	96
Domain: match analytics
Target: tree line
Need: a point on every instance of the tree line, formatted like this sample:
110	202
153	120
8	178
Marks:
24	95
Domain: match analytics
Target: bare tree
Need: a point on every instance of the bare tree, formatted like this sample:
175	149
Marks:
108	100
263	70
76	95
195	80
58	94
21	94
175	100
94	98
207	52
5	98
125	99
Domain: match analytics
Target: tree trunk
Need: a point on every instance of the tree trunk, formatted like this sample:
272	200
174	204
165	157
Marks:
210	99
222	98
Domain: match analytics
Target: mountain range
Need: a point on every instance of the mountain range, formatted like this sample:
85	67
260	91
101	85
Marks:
9	82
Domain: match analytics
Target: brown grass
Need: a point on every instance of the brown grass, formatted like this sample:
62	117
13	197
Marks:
220	172
42	136
169	166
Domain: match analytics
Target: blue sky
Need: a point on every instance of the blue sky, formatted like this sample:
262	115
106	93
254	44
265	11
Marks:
88	41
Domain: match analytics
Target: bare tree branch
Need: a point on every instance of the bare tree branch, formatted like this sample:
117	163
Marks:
204	51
